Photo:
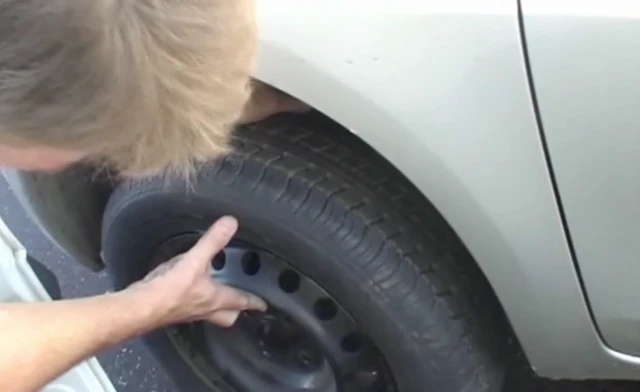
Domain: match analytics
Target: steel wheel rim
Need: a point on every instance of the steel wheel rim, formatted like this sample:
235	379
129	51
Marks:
327	350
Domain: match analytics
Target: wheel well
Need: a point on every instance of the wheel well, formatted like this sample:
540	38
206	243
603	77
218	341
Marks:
357	144
69	206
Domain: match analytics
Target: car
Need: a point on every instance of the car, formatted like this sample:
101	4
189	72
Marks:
464	186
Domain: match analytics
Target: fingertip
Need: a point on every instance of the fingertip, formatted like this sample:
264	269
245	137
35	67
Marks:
216	237
258	304
227	224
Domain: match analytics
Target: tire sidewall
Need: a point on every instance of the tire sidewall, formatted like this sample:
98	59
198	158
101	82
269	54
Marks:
283	233
391	261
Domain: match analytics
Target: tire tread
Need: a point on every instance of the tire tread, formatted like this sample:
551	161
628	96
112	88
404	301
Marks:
436	275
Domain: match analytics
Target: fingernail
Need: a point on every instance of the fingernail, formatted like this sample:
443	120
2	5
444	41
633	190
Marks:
261	305
256	303
227	224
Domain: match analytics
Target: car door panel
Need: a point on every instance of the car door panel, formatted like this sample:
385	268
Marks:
584	60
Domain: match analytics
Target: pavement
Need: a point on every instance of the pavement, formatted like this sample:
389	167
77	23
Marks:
132	369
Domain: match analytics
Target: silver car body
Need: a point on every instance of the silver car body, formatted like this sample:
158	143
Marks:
517	120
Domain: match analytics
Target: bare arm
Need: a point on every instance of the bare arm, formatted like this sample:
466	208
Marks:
39	342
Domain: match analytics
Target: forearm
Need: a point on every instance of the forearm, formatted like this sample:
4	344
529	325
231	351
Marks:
41	341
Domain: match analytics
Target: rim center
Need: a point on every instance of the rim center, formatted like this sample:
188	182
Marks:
279	339
276	335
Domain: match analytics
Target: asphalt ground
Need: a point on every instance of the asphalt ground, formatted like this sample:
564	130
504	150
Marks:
132	369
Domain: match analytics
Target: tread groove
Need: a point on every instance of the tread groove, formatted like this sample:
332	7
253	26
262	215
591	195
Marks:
268	163
326	203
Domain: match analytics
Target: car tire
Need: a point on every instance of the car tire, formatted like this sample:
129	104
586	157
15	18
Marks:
342	216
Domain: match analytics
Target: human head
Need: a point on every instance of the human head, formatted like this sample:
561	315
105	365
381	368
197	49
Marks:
138	85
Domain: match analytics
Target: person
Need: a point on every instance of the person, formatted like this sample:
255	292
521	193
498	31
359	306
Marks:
141	87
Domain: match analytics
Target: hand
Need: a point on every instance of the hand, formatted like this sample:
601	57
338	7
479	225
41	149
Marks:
185	289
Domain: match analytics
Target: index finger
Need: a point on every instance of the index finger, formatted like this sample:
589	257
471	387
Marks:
215	239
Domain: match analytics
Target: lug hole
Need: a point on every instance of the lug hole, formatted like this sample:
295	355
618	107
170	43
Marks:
351	343
219	261
250	263
325	309
289	281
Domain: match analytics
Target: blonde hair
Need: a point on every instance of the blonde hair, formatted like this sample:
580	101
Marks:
141	85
